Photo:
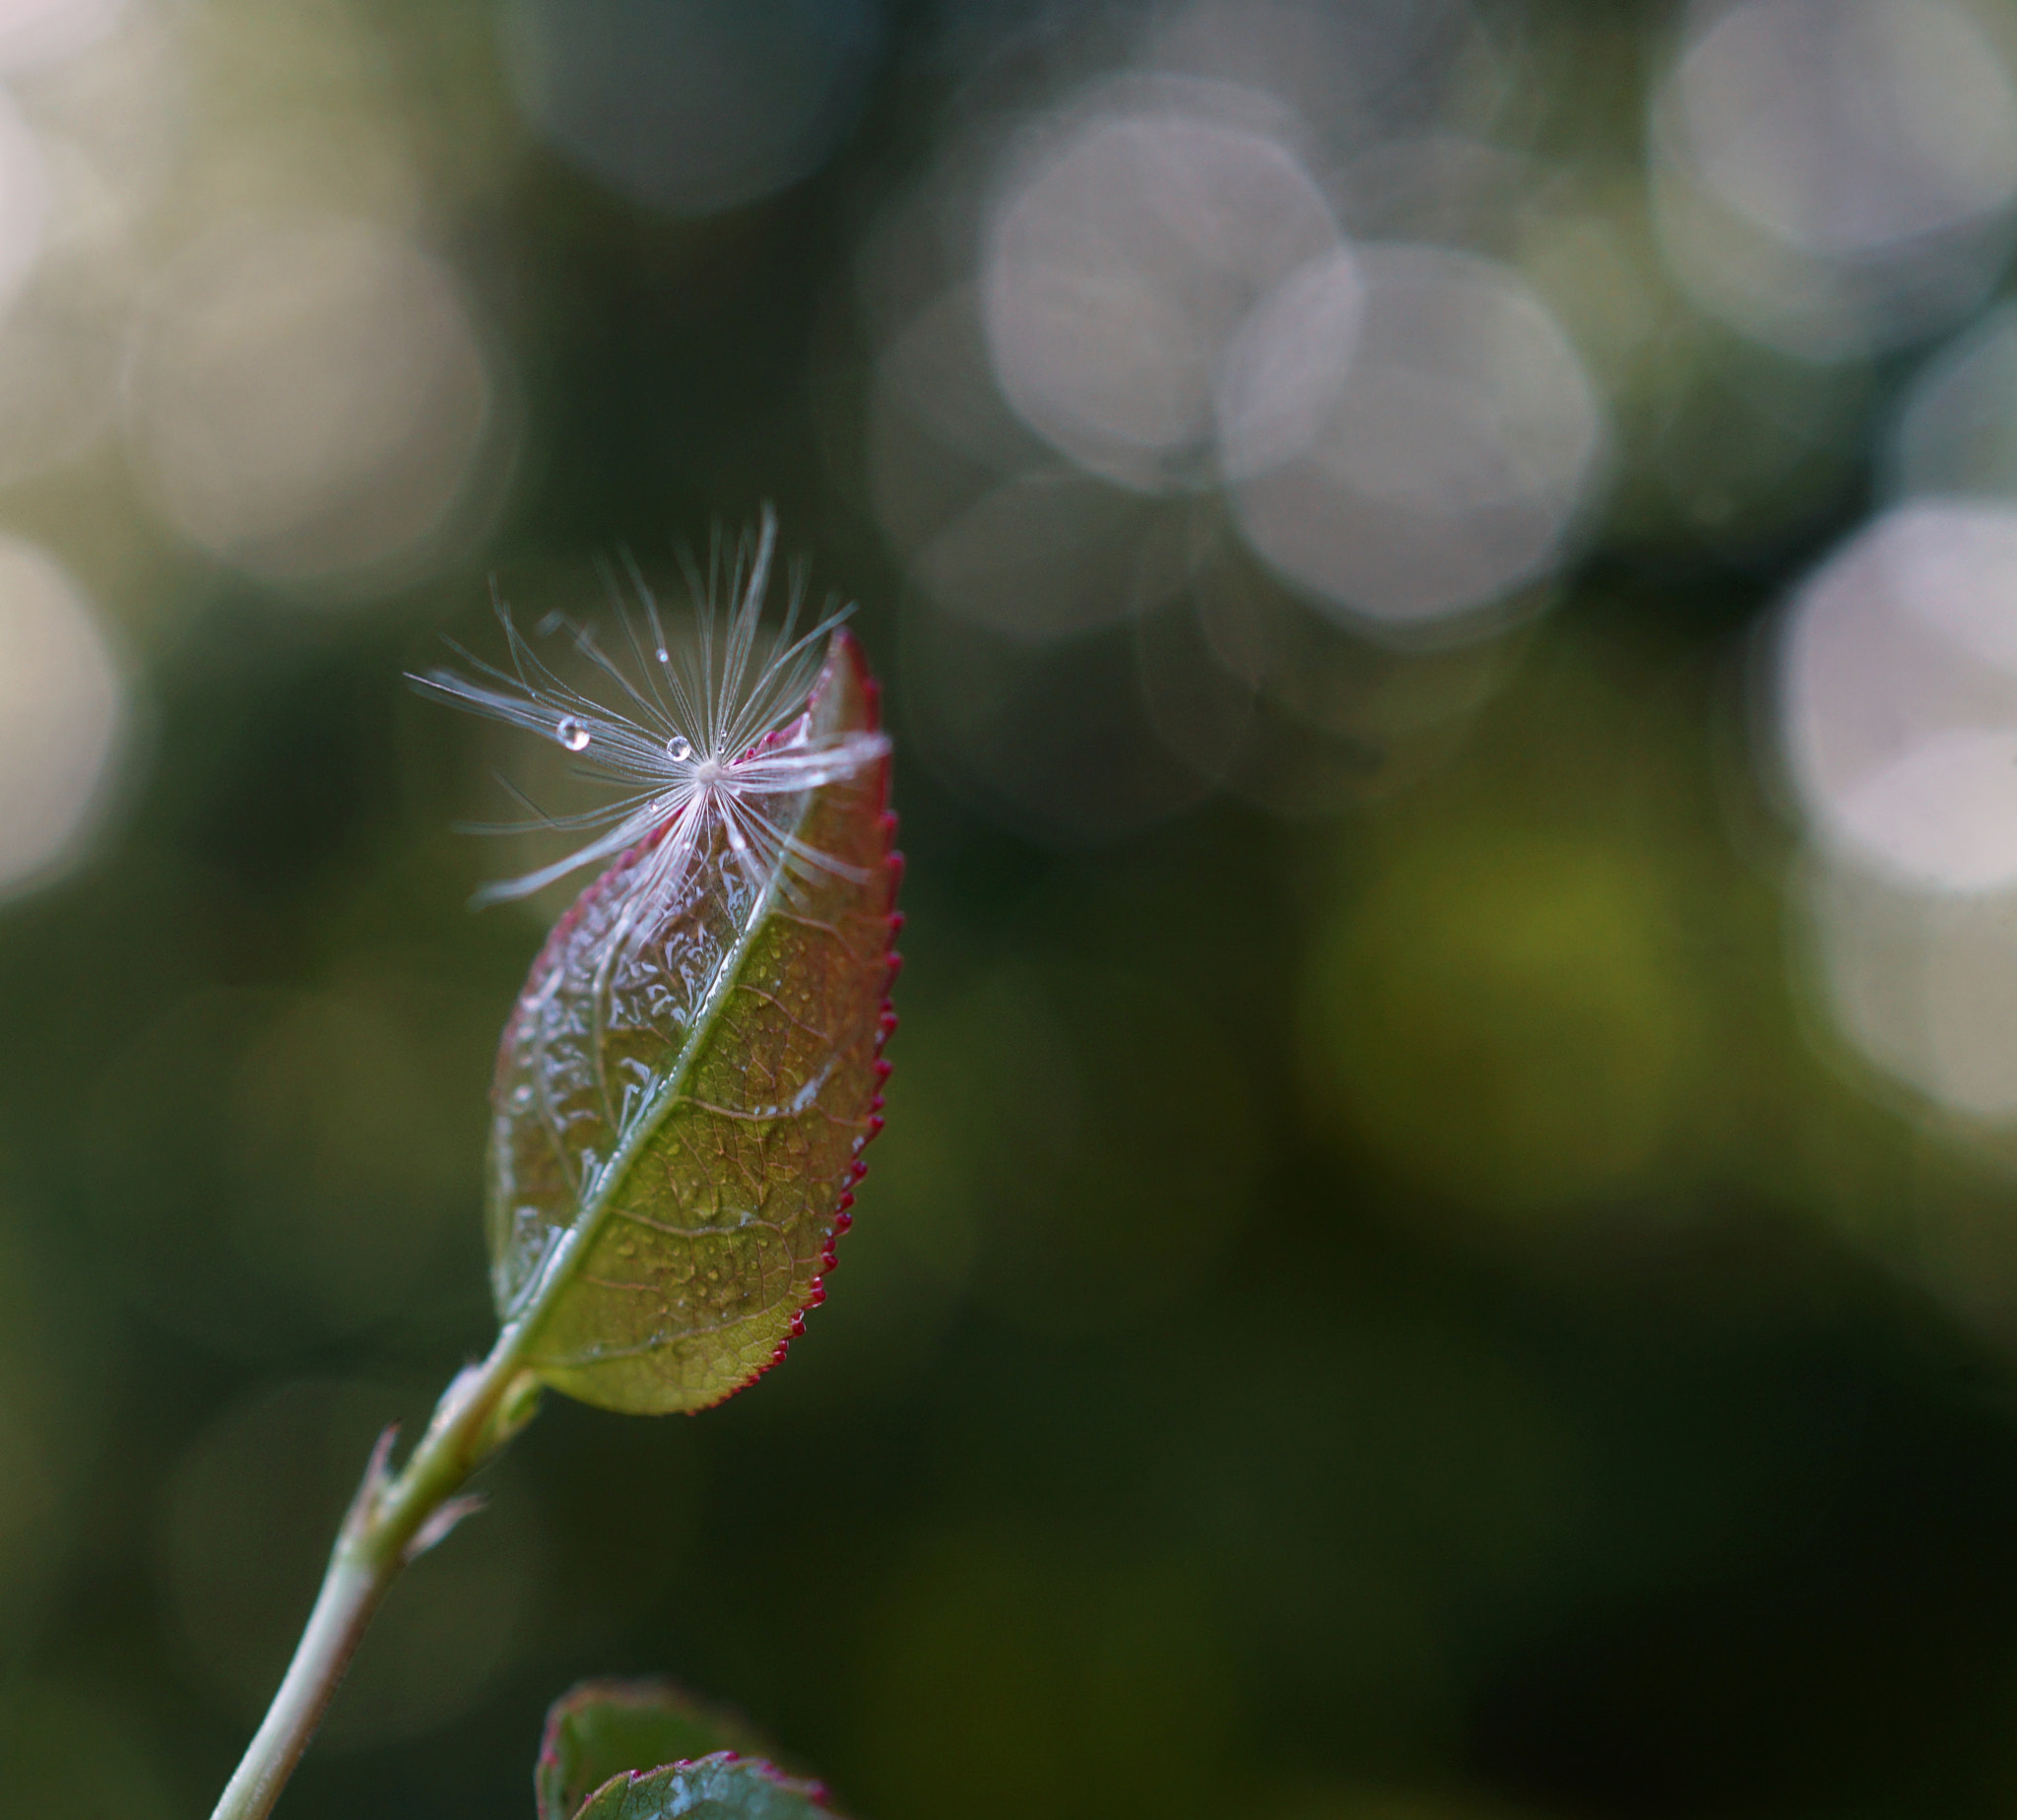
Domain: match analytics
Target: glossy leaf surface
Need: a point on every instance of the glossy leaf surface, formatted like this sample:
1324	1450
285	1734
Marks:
604	1728
720	1787
678	1110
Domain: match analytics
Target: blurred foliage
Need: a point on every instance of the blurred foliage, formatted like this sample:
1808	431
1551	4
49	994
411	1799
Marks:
1397	1310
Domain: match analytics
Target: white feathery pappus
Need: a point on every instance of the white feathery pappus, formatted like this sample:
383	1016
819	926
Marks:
700	735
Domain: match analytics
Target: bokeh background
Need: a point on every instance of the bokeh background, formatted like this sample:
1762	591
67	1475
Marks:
1447	571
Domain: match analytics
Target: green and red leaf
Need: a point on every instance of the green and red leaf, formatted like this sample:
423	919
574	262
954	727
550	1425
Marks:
680	1110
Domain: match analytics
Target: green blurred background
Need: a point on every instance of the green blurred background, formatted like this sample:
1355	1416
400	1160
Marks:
1446	575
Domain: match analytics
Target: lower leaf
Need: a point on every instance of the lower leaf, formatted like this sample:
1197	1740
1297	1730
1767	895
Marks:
603	1729
719	1788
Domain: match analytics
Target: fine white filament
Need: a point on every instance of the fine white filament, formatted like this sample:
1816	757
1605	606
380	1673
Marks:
704	736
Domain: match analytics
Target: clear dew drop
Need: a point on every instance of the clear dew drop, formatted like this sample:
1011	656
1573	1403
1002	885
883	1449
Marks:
571	733
678	749
521	1096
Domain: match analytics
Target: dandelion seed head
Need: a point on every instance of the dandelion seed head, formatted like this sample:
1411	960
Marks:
706	741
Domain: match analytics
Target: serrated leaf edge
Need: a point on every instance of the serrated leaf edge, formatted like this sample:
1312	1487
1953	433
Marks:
842	1218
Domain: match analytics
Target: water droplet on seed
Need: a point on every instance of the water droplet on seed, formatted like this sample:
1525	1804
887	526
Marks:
521	1096
571	733
678	749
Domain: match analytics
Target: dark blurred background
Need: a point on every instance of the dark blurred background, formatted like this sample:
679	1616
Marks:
1447	571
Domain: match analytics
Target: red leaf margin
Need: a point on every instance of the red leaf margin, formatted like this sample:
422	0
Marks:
846	648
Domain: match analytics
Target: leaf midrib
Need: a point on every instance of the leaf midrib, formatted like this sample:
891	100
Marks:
557	1274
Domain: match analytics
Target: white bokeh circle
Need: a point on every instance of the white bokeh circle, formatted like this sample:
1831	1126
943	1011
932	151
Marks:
1118	270
1445	466
63	716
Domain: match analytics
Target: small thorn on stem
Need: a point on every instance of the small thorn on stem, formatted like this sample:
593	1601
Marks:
377	1470
363	1511
438	1526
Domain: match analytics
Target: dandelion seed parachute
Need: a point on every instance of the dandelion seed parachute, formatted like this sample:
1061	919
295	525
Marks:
705	738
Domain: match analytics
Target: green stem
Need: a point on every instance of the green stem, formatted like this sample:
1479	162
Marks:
392	1519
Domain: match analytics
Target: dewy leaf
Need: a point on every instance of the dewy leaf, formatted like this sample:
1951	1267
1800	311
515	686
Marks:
723	1787
604	1728
679	1108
